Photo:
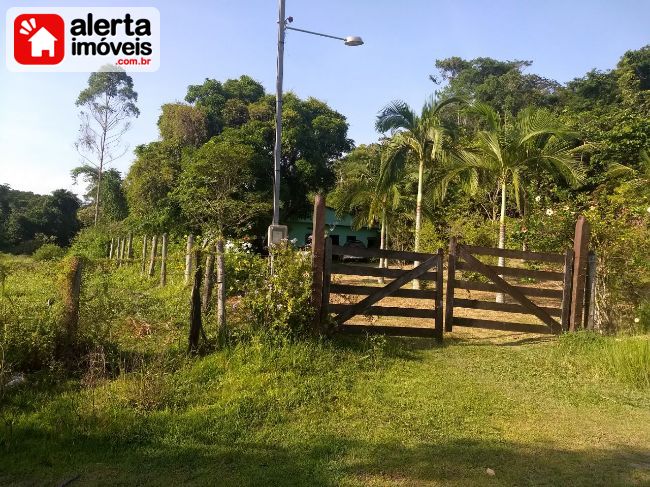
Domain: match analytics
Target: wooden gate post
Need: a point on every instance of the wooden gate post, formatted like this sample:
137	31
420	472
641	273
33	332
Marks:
317	258
439	287
590	291
451	276
580	250
327	281
566	289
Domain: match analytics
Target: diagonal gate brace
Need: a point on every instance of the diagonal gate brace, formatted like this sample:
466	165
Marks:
381	293
511	290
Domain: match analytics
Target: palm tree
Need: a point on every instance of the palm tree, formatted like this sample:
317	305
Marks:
357	192
419	137
505	151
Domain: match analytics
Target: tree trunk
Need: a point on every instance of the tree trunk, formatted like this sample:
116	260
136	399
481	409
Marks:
97	192
208	279
502	232
221	293
418	217
152	258
195	308
383	263
163	261
143	266
188	258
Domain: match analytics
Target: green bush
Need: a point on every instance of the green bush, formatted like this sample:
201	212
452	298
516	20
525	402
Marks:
91	243
278	302
48	252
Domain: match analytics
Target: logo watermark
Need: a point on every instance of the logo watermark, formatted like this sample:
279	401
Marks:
82	39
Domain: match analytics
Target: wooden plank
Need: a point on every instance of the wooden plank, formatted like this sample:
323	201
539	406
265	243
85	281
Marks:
516	254
566	289
365	290
357	270
317	258
381	293
327	280
438	305
386	311
511	290
518	272
379	253
451	282
405	331
528	291
580	251
505	307
501	325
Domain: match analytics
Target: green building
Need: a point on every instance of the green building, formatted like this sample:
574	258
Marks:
340	229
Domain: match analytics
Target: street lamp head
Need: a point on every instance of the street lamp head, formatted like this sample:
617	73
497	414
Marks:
353	41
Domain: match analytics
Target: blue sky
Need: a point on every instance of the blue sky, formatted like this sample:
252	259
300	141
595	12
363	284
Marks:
226	38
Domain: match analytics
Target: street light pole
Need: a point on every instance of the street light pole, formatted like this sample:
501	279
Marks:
277	149
276	231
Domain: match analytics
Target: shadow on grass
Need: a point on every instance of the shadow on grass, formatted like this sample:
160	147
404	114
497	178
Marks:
326	460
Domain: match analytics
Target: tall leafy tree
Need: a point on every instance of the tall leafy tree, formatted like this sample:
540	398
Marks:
107	104
419	137
507	151
114	205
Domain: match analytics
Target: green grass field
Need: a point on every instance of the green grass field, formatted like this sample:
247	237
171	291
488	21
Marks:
367	412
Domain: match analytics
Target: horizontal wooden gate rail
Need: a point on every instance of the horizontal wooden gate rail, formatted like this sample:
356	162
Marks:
554	319
428	269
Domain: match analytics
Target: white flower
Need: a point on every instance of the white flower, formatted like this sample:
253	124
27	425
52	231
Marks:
229	245
636	320
549	212
294	240
538	198
566	208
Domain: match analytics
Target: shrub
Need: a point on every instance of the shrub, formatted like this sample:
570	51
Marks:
278	302
91	243
48	251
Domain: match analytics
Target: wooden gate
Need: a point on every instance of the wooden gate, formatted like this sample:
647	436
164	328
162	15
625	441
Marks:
554	317
428	270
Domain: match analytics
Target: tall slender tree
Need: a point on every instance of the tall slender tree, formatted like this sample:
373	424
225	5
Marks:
107	104
419	137
507	150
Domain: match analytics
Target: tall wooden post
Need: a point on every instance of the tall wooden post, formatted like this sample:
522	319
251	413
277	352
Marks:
188	258
566	289
129	247
439	288
163	261
71	290
327	281
195	307
317	258
590	291
580	260
208	280
120	257
154	251
110	249
451	276
143	267
221	293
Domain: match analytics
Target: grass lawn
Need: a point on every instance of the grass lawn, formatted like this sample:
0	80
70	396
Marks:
537	411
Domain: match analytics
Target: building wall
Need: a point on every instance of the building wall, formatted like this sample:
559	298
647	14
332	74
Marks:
300	229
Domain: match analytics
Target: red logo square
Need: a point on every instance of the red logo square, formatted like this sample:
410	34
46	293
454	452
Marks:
39	39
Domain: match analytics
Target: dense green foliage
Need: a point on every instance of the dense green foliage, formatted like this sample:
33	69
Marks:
28	220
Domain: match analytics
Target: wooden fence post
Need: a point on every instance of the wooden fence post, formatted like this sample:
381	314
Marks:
208	280
590	291
195	308
129	247
439	288
188	258
143	267
566	289
327	281
451	276
221	293
580	260
120	257
163	261
116	250
70	294
110	249
317	258
152	259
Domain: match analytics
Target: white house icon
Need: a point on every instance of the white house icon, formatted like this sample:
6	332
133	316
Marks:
42	41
